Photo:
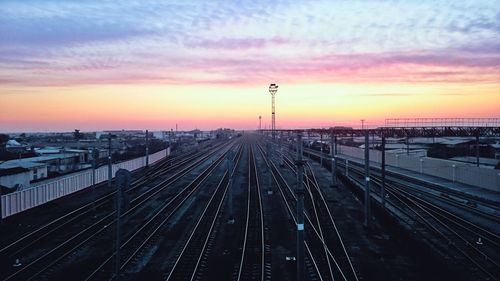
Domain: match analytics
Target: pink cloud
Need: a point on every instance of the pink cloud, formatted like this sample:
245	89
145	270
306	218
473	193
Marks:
423	66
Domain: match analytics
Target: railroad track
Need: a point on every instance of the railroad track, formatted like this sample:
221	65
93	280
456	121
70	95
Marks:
332	235
450	232
459	200
147	233
253	252
471	242
289	199
26	242
327	229
84	236
319	254
188	261
428	197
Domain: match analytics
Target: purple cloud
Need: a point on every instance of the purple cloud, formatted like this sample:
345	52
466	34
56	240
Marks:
71	43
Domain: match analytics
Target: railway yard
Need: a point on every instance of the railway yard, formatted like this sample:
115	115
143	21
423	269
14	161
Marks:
226	210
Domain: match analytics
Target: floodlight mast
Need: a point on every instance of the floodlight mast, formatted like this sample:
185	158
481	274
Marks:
273	88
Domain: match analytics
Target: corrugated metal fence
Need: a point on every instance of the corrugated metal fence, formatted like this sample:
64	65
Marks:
52	189
450	170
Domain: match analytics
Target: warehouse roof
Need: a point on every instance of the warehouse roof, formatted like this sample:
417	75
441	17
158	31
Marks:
20	163
12	171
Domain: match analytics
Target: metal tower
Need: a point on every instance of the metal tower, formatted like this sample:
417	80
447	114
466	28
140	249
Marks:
260	122
273	88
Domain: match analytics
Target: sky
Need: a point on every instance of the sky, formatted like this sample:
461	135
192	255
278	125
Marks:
96	65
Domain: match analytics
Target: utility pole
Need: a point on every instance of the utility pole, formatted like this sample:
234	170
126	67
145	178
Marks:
95	156
147	149
300	210
110	168
122	184
477	148
334	164
382	192
230	168
407	145
367	179
336	145
170	139
282	161
166	143
321	149
273	88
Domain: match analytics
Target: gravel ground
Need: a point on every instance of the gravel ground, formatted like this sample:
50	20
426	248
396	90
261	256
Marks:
378	253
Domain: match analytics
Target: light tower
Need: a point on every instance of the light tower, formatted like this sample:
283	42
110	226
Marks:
260	123
273	88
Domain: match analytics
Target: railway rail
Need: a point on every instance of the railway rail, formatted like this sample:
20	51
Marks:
325	223
12	249
253	252
147	234
186	266
318	249
53	256
476	206
458	234
289	199
467	240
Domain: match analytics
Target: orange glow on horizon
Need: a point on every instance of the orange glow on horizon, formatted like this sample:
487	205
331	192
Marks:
160	107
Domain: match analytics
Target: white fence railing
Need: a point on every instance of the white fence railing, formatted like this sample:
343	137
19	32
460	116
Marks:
52	189
450	170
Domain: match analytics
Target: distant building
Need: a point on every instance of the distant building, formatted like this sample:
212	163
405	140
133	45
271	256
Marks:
102	153
121	133
47	150
15	146
83	154
56	163
15	178
36	170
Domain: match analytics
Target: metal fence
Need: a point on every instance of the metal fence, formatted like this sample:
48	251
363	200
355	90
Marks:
52	189
442	122
450	170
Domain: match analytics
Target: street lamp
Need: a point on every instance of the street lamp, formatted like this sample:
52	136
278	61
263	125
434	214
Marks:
273	88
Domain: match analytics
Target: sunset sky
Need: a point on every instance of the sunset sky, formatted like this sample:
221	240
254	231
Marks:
96	65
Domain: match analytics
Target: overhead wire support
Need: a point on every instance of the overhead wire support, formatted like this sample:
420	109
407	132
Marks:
300	210
147	149
110	161
367	179
333	146
382	192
